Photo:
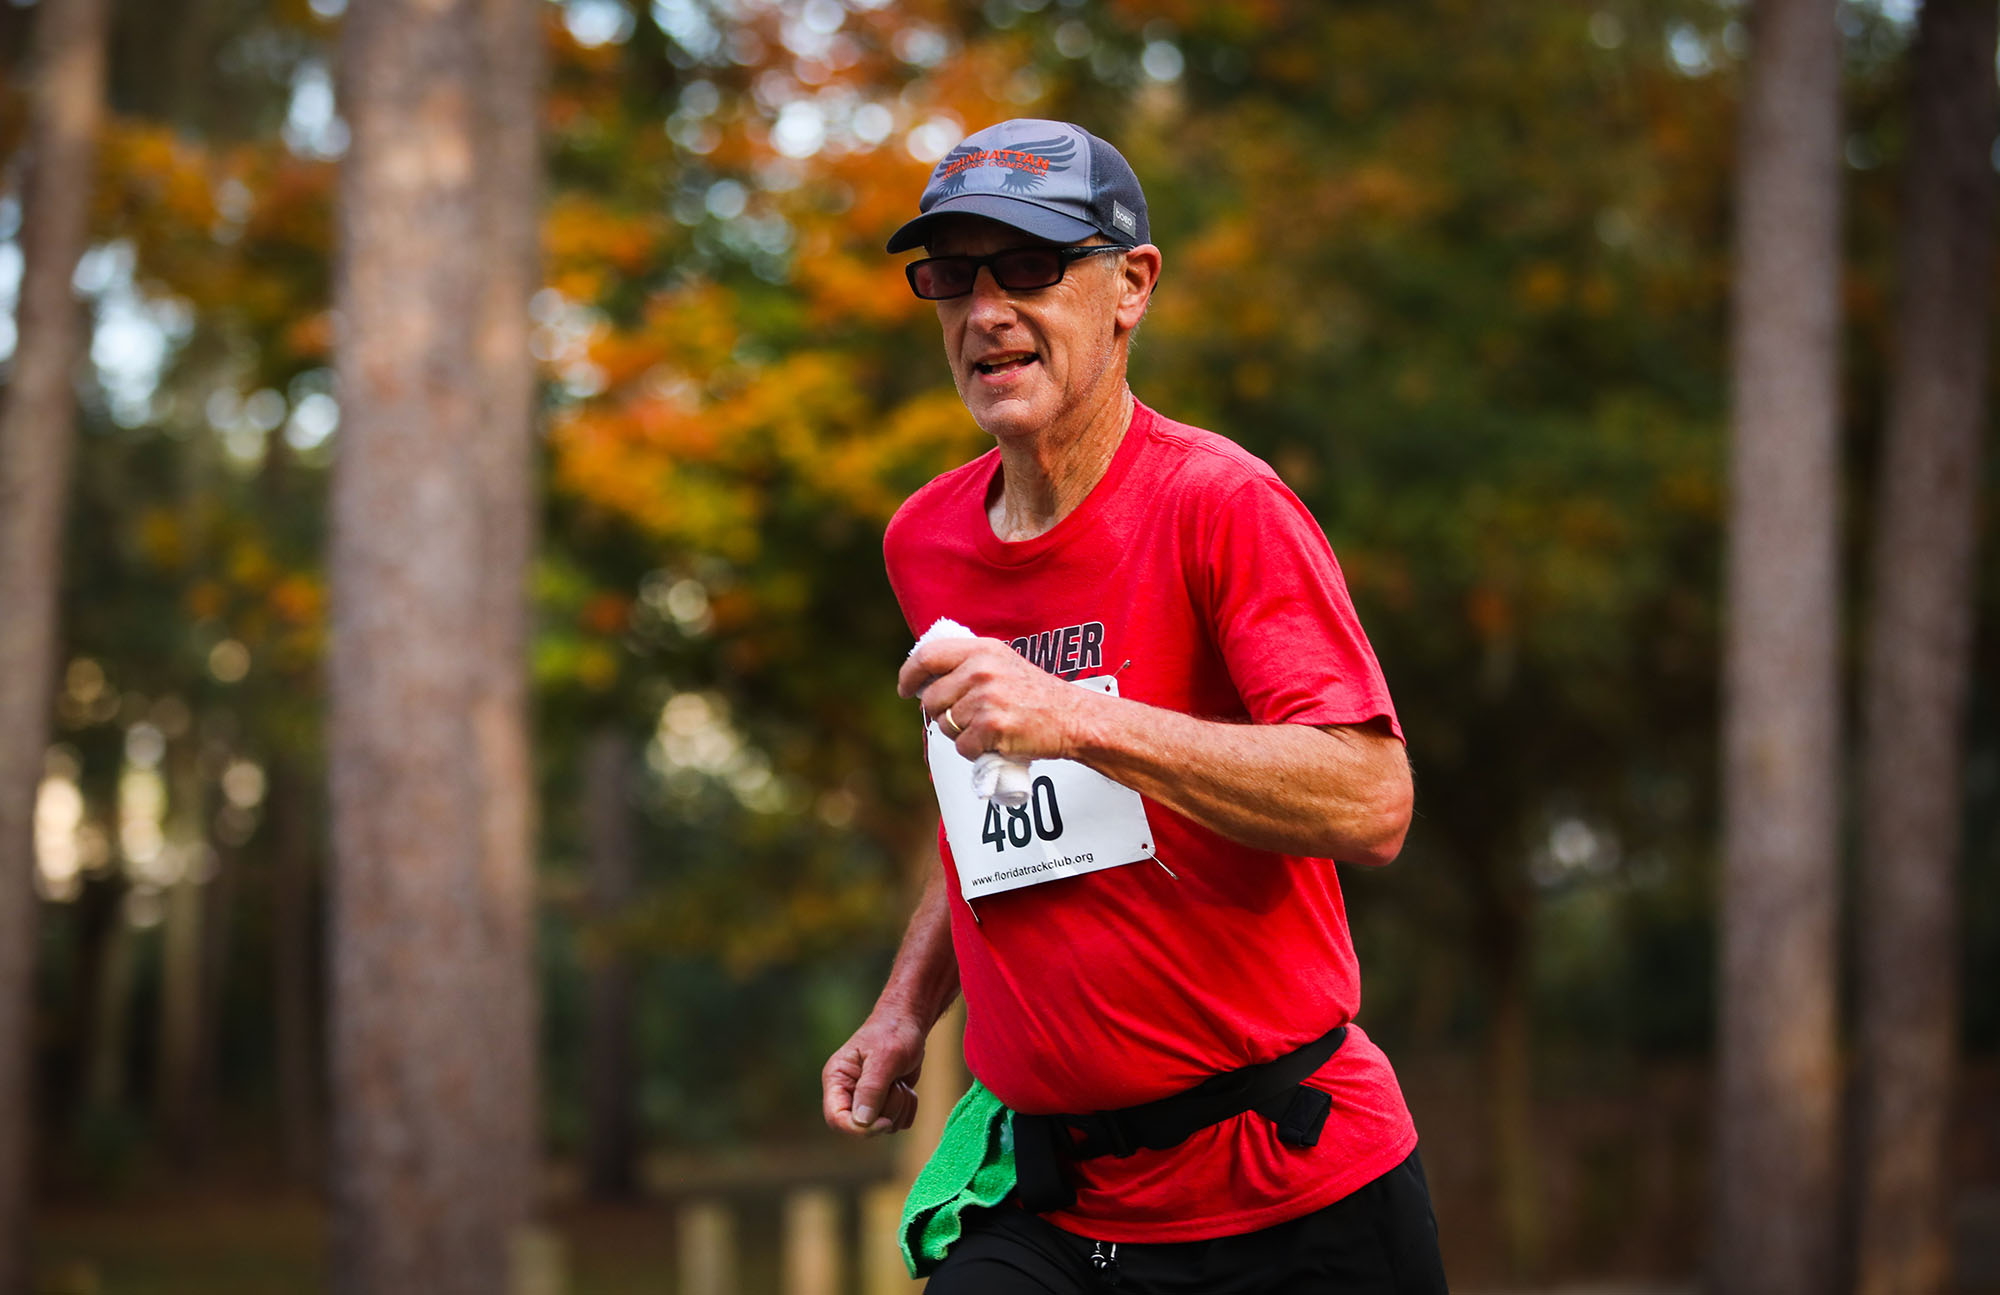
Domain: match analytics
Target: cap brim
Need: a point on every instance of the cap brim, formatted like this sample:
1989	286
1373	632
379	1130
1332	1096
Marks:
1024	216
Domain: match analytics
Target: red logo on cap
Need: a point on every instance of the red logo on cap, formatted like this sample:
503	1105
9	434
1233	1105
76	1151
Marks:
1007	157
1029	164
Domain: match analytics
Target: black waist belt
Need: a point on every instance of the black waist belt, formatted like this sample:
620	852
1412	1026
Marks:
1275	1089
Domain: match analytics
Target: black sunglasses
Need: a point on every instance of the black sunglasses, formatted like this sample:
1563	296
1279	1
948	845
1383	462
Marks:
1018	269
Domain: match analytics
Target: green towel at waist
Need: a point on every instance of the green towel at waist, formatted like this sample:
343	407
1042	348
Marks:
972	1166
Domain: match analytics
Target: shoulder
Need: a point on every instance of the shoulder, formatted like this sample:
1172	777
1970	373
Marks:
935	505
1203	469
1235	515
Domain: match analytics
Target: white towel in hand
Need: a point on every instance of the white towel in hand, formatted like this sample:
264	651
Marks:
994	776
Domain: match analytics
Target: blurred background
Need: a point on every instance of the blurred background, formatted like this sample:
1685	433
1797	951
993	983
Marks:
1461	272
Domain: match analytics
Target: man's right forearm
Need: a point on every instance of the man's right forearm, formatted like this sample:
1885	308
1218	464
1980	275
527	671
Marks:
924	979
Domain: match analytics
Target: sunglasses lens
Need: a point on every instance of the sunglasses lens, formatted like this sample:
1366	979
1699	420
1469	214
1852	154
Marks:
943	276
1028	267
1019	270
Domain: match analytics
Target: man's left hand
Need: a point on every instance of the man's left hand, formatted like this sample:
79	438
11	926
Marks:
998	700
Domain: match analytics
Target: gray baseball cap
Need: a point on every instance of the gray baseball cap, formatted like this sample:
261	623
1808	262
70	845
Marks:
1051	179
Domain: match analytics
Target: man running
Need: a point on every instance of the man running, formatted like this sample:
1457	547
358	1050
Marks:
1158	974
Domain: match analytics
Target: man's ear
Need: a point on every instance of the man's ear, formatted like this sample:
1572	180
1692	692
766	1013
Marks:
1139	271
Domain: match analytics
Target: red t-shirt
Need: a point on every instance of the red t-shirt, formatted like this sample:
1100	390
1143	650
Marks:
1197	576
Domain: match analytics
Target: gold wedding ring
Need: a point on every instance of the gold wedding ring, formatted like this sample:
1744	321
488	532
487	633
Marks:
952	728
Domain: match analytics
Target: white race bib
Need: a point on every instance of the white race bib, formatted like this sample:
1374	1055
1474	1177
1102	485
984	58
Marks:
1076	820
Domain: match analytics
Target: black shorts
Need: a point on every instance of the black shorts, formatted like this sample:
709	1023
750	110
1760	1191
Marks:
1380	1240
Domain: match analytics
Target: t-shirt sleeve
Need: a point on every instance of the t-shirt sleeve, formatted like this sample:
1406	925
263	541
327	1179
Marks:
895	541
1283	621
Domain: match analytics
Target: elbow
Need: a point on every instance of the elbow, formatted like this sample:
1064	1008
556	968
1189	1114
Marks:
1377	834
1379	847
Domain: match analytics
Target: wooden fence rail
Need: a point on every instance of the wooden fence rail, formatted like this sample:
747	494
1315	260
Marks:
818	1234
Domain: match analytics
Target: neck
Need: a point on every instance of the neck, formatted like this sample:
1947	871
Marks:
1044	479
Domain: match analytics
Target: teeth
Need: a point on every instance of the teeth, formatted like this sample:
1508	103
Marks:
994	366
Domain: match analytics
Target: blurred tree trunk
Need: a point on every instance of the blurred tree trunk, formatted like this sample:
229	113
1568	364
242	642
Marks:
187	931
1517	1176
1494	922
294	825
1919	655
36	435
1775	1154
295	951
507	194
611	1077
97	911
433	1032
182	932
218	920
111	1015
184	935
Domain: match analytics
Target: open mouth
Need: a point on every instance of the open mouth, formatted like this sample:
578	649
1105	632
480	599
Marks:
1006	363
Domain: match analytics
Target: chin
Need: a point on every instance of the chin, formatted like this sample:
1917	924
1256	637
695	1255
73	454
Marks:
1009	424
1011	419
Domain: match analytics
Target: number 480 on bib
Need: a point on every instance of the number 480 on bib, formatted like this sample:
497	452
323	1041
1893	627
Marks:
1040	817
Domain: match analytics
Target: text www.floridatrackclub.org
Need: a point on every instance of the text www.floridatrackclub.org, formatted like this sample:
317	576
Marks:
1029	869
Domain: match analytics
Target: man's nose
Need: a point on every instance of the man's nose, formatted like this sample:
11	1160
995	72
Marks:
989	299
